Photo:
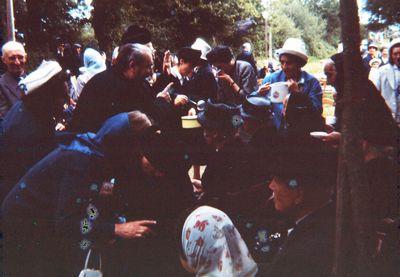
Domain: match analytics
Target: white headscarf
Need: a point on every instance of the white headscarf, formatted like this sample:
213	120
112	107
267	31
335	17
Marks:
212	246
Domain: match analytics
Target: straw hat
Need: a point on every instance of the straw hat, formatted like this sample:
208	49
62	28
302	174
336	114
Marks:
295	47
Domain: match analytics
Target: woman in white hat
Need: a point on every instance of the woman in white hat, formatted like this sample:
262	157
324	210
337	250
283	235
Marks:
293	57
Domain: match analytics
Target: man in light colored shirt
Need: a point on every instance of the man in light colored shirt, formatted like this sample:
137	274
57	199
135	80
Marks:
388	82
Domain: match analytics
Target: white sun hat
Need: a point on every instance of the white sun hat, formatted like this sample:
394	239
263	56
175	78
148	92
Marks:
203	46
40	76
296	47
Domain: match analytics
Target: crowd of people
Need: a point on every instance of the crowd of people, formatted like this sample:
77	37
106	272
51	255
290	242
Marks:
177	164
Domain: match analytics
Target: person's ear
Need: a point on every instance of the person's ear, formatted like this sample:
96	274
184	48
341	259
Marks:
181	61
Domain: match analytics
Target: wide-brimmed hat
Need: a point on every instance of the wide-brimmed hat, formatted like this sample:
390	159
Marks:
257	108
36	79
220	116
295	47
203	46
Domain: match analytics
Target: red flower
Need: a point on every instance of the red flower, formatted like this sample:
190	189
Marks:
200	242
201	225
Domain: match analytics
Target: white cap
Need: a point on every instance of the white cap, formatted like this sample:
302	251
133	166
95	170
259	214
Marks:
40	76
393	43
296	47
203	46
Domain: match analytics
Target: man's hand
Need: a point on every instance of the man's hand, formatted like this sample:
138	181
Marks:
181	100
332	138
192	112
264	89
165	93
224	77
293	86
197	186
167	62
134	229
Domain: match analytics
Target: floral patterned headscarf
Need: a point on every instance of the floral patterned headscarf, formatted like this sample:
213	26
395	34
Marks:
212	246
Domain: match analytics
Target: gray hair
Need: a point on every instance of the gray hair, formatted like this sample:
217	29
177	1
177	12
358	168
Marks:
12	45
131	52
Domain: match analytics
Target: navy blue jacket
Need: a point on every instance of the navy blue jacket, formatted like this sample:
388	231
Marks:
55	208
26	136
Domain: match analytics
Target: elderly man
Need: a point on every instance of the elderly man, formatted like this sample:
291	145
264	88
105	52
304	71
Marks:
121	88
302	189
236	79
14	58
293	57
388	82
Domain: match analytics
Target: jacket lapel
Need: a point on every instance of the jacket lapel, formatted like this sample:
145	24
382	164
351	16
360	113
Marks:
10	83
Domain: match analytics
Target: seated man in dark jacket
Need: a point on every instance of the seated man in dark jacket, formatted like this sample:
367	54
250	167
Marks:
302	187
55	213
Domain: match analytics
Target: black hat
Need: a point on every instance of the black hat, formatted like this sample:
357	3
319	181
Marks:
220	116
164	152
257	108
136	34
189	55
300	114
307	163
220	54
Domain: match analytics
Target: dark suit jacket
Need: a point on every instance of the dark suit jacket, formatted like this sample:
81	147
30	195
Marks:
308	250
9	93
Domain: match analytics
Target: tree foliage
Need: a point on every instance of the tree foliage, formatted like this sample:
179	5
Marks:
176	23
383	13
297	19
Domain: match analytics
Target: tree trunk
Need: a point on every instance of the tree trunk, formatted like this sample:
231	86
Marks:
353	212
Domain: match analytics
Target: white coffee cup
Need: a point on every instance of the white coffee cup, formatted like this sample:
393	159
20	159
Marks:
278	92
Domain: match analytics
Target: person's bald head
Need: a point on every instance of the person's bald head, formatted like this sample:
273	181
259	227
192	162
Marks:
14	57
134	61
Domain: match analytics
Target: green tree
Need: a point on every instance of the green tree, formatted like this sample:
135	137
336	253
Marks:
176	23
328	10
39	22
383	13
295	19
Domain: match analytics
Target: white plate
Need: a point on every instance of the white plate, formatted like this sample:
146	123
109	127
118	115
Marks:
318	134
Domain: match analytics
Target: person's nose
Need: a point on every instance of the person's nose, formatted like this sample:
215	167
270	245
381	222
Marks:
272	185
